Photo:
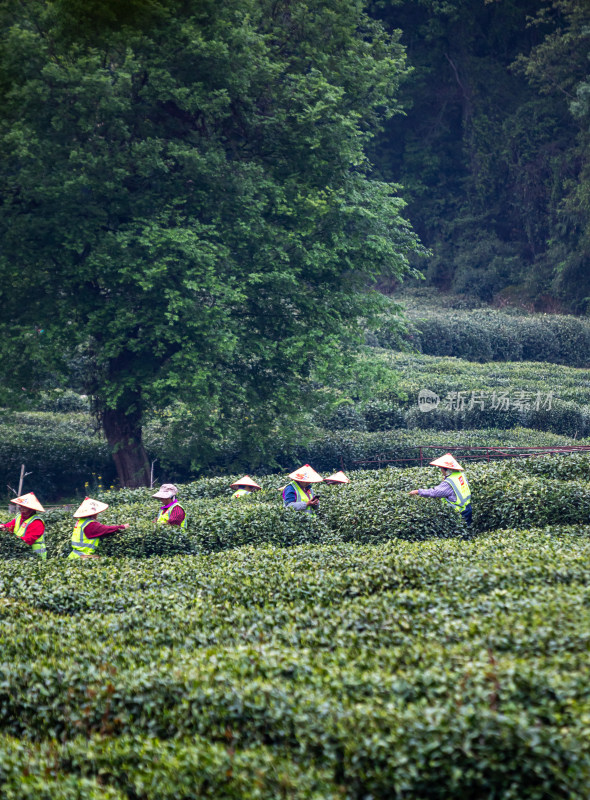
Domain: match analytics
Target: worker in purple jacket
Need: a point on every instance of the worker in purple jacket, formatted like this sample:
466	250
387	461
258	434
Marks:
453	489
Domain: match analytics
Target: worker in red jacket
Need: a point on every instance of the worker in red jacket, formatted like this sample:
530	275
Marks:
87	533
171	512
27	524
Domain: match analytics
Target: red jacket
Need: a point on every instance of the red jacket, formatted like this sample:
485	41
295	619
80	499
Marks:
95	529
35	530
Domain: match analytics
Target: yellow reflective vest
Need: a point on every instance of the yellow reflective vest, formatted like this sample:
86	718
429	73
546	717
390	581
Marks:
164	516
81	545
20	528
302	497
462	491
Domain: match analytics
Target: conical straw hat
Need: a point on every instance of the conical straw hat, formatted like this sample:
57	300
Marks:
337	477
447	461
90	507
246	481
166	491
306	474
28	501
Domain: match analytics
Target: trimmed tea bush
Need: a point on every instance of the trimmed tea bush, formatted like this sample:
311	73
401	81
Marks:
435	668
61	451
487	335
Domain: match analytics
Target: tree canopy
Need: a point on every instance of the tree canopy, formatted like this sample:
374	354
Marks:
187	211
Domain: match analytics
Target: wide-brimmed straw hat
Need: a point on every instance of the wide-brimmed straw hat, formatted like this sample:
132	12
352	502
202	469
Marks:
90	507
28	501
246	481
306	474
337	477
447	462
166	491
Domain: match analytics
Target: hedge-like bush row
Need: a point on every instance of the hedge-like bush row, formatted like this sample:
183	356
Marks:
61	451
563	418
151	769
488	335
64	451
375	507
225	524
326	449
427	669
548	397
444	375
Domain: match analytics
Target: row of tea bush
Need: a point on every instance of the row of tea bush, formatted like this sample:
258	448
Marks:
375	507
64	452
489	335
436	669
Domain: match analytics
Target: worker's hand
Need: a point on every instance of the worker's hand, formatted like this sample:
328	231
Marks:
314	503
2	526
414	491
125	526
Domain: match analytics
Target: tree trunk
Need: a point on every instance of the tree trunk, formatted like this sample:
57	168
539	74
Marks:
124	435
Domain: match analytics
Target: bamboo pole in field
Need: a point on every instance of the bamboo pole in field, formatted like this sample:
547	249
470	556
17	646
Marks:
21	479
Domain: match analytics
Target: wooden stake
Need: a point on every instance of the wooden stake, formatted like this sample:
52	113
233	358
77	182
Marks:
22	477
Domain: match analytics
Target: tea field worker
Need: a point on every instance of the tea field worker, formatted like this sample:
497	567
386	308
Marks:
171	512
244	487
27	524
453	489
298	495
337	477
87	531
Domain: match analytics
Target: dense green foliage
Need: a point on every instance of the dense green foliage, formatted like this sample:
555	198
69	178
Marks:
190	224
61	452
493	153
426	668
545	397
187	209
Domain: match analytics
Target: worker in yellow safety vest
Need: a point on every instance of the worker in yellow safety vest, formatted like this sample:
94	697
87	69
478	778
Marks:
88	531
453	489
244	487
299	495
28	525
171	512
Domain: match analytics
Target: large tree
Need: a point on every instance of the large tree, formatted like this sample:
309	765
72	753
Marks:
186	205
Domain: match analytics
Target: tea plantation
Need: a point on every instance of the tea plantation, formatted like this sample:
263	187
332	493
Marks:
380	650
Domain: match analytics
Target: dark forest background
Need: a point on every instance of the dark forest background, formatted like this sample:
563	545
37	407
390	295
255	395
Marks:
493	153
